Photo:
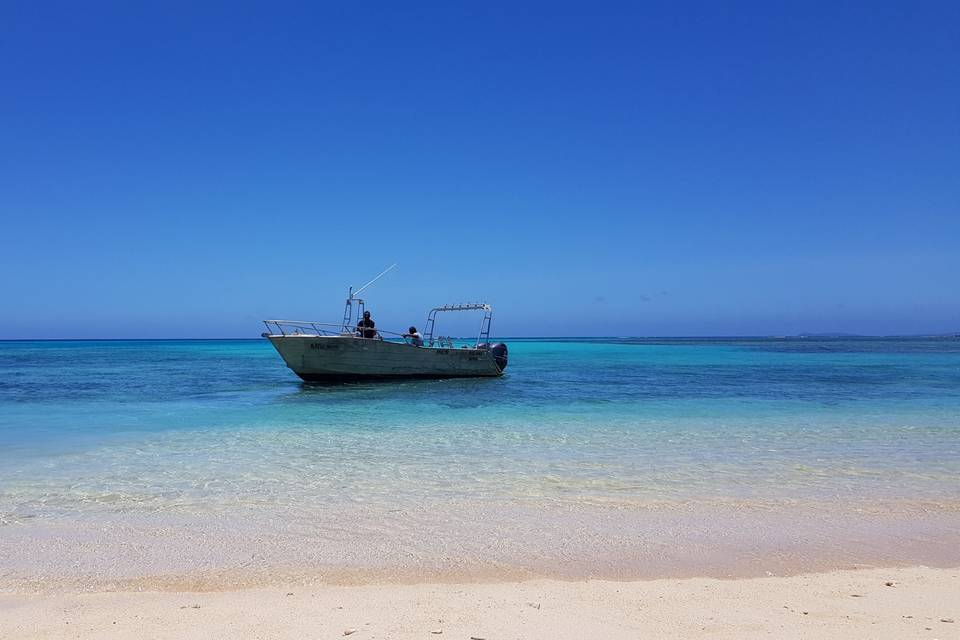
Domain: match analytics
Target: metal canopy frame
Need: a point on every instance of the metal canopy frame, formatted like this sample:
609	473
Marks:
482	337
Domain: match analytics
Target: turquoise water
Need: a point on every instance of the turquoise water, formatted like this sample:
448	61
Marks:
141	434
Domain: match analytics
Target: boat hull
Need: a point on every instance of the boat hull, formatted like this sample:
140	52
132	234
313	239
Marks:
346	358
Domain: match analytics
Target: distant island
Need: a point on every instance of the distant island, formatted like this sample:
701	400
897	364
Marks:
858	335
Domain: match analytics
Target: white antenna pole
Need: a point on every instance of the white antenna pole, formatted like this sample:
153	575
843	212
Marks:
382	273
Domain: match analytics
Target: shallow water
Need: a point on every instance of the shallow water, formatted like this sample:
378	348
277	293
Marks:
589	456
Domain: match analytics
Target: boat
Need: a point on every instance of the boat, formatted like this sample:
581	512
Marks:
322	352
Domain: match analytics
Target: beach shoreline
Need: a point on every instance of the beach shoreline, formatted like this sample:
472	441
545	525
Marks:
628	490
905	602
508	543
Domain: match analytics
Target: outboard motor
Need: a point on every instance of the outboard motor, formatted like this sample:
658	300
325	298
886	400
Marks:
499	352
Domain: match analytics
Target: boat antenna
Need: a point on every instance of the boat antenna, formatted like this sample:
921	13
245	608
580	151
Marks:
348	307
382	273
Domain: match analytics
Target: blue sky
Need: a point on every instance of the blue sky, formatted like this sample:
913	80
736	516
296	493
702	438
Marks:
589	168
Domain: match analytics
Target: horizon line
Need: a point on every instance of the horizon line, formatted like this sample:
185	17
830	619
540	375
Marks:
949	334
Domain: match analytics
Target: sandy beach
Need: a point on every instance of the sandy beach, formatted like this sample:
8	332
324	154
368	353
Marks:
917	602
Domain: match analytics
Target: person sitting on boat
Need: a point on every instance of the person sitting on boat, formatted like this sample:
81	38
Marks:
366	326
415	338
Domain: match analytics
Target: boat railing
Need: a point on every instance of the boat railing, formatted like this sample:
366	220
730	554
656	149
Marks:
346	328
287	328
305	328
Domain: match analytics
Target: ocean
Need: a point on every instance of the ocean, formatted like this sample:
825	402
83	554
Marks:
165	463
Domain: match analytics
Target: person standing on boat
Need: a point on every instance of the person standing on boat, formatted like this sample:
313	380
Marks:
415	338
366	326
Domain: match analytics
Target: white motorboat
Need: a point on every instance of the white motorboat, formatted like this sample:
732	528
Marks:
344	351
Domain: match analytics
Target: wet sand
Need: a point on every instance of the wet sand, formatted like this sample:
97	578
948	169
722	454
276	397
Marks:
917	602
473	542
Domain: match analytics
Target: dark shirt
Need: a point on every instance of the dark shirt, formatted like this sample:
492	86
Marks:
365	328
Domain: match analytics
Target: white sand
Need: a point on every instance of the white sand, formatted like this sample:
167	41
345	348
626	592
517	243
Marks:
842	604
